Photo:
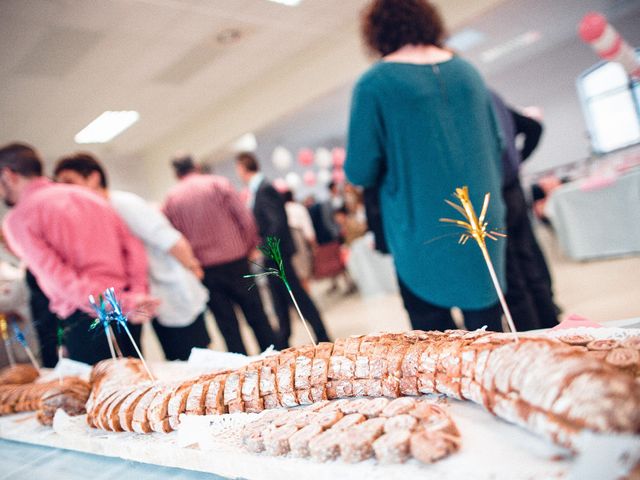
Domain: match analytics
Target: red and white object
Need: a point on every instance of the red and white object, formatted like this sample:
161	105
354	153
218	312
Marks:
595	30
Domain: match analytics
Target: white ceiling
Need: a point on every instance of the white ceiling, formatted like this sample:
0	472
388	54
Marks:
63	62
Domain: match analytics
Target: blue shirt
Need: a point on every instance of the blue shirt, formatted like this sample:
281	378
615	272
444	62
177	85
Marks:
417	132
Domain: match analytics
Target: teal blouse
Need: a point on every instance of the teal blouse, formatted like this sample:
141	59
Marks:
418	132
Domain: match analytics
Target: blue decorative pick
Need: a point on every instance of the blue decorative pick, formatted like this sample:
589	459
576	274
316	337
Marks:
110	295
103	319
115	315
23	341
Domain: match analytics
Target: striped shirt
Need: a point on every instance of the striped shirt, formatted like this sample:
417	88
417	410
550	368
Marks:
211	215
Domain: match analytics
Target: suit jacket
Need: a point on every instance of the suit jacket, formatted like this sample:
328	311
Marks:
271	217
374	218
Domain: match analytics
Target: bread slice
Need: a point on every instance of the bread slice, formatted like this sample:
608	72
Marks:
178	403
140	422
250	386
214	401
158	411
101	398
233	387
128	405
198	395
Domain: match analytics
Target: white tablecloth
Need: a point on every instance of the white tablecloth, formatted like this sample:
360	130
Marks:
601	222
492	449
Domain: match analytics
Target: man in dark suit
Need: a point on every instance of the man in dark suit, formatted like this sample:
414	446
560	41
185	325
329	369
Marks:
268	208
529	289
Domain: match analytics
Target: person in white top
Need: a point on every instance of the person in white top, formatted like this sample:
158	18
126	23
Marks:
174	271
304	237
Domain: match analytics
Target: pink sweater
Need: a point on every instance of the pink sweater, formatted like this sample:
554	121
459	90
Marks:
75	245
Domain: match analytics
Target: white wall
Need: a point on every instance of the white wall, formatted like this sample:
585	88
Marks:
321	124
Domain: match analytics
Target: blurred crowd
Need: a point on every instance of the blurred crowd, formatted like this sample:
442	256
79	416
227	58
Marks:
422	123
76	236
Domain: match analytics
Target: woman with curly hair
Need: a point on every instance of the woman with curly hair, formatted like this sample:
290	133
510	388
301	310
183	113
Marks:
421	125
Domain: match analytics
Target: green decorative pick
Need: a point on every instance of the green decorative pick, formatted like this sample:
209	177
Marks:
271	249
60	336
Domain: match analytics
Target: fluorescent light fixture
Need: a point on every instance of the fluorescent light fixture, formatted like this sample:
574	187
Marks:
106	127
523	40
465	40
289	3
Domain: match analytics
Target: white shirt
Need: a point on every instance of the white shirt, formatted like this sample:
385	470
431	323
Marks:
298	217
183	296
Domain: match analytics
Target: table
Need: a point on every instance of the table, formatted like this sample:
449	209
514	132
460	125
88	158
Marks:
25	461
599	222
492	450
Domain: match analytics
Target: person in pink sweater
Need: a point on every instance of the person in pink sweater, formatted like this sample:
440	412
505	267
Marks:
76	245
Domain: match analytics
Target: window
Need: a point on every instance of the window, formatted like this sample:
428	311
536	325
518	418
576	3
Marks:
611	105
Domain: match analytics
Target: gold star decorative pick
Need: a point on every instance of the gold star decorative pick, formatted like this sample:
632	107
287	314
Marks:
477	228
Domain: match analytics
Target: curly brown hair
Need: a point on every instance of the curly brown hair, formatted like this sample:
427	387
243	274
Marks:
388	25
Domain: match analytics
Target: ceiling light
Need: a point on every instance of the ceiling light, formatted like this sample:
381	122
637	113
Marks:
465	40
523	40
289	3
106	127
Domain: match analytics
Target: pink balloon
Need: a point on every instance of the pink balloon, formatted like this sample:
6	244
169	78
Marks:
305	157
280	185
339	156
309	178
338	175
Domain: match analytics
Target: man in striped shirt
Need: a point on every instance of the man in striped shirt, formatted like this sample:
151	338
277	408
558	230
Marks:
221	230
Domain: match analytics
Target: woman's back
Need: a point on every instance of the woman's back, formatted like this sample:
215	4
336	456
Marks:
418	131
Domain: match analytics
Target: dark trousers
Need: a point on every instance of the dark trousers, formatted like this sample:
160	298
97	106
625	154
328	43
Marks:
282	305
177	342
91	346
44	321
529	294
227	287
426	316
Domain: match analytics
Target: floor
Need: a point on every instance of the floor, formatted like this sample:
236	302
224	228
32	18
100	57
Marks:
599	290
